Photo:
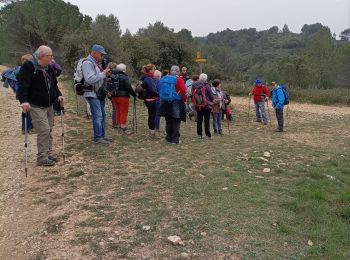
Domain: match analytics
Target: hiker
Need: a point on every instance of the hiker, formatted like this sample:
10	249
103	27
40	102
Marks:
191	106
173	108
121	95
261	95
184	75
150	97
202	98
278	101
94	77
113	67
157	77
37	93
217	106
9	77
226	111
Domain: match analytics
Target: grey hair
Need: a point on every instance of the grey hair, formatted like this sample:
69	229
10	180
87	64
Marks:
203	77
175	70
157	74
42	51
121	67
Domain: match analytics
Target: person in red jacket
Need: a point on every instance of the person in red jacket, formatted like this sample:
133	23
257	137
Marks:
261	95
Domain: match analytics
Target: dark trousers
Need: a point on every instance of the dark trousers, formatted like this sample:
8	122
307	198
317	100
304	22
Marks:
152	112
206	114
172	128
279	115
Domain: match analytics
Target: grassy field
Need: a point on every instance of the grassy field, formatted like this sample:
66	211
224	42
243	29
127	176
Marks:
124	200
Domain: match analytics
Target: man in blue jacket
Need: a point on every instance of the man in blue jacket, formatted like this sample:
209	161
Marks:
278	104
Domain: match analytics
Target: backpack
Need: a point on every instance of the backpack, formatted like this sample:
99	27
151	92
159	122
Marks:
218	97
286	94
189	84
199	98
140	91
79	83
168	89
113	84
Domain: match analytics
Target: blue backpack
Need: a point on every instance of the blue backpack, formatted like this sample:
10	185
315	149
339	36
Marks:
286	94
168	89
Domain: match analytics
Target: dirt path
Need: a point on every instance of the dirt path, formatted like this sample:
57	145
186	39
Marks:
21	218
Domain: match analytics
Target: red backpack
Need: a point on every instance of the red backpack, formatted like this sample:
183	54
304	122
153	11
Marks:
199	98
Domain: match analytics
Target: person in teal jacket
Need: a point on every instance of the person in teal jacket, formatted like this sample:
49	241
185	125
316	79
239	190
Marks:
277	96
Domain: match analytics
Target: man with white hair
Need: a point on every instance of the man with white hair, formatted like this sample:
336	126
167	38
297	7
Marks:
37	94
172	107
202	97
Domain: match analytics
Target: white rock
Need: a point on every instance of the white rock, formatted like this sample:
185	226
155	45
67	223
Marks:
310	243
267	170
185	255
249	171
204	234
259	177
225	188
175	240
146	228
50	191
267	154
263	159
101	243
111	238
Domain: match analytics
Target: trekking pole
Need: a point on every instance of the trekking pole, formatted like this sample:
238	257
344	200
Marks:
76	99
26	142
228	125
62	128
135	112
133	117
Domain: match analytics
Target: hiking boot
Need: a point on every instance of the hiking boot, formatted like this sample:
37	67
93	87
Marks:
124	131
102	141
108	139
46	163
220	132
53	158
258	121
114	126
279	130
199	136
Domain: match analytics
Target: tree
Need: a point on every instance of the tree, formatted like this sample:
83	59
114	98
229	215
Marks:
345	35
285	29
28	24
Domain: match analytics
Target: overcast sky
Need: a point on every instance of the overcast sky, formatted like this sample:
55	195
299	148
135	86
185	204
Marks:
204	16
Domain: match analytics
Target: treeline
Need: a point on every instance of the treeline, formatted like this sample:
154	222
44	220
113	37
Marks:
313	58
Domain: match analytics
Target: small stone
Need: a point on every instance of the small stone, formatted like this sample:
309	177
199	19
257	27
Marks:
111	238
267	154
175	240
49	191
185	255
249	171
310	243
45	233
259	177
201	175
235	185
267	170
181	243
263	159
225	188
274	224
143	244
101	243
146	228
285	243
204	234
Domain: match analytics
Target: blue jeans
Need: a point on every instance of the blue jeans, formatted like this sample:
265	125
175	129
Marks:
157	119
260	106
98	115
217	119
29	122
